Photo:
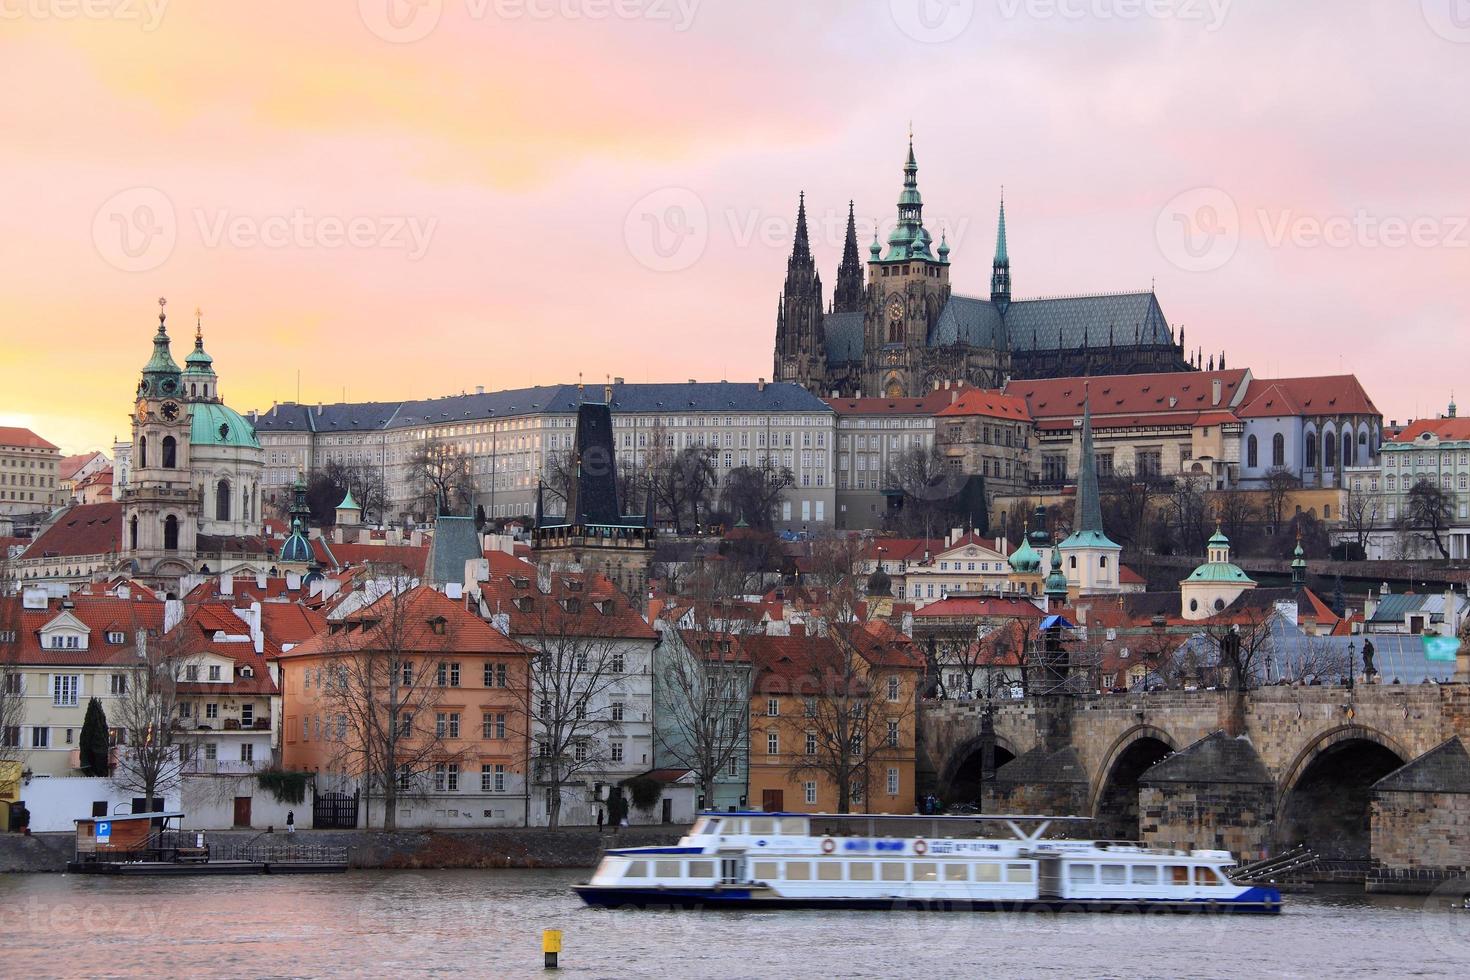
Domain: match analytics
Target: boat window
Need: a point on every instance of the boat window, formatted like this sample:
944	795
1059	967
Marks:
701	869
1206	876
893	871
1145	874
760	825
793	826
1114	874
668	869
860	871
1082	874
798	871
731	827
637	869
829	870
987	872
766	870
1178	874
1018	873
926	871
956	872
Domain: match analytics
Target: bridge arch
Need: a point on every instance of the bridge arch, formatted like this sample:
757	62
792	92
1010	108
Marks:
960	780
1325	794
1113	802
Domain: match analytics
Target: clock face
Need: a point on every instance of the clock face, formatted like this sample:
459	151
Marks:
170	411
895	308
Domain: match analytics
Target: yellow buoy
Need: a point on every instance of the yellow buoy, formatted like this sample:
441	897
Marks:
551	946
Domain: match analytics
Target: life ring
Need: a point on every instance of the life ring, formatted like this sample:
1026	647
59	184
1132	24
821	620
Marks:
920	847
828	846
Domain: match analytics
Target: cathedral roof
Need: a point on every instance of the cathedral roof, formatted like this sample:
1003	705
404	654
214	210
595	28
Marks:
844	332
971	321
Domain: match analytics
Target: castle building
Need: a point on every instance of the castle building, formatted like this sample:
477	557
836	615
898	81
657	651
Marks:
904	331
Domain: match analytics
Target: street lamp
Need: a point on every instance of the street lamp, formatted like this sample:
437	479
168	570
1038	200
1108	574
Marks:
1352	662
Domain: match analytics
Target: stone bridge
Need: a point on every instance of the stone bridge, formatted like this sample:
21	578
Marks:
1255	773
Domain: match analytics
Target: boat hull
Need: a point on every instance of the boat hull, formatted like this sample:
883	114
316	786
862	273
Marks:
1255	901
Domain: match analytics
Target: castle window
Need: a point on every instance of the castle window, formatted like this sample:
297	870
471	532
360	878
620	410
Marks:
1252	453
170	533
1278	450
170	453
222	501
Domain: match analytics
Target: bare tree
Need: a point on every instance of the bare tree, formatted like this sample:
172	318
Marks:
443	475
365	481
1190	512
156	748
683	483
1236	515
578	662
929	491
704	679
1360	517
1315	659
1428	513
1281	483
1243	646
753	493
386	671
1130	506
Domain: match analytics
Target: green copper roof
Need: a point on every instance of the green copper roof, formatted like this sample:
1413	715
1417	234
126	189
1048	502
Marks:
1219	540
1025	558
1219	571
296	548
1002	255
199	362
219	425
348	503
1089	533
161	373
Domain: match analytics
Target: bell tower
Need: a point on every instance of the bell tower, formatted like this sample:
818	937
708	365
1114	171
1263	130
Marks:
908	287
160	504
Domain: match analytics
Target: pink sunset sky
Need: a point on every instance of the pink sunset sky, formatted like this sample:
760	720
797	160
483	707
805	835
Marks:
404	198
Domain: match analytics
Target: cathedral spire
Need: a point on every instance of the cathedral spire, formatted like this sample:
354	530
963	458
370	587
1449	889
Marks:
802	246
1000	275
1089	503
161	373
847	297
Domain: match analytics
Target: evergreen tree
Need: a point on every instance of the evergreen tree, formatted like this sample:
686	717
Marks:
94	748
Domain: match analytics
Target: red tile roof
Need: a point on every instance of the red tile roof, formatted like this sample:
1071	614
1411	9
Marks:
1331	395
1456	430
14	436
601	609
100	614
67	468
86	529
333	555
989	404
930	404
415	612
1129	395
971	606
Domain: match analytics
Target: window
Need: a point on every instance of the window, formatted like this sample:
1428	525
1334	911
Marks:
893	734
579	752
211	751
1019	873
1145	874
773	707
987	872
1177	874
1206	876
170	533
829	870
446	724
211	710
405	724
617	711
214	672
893	871
860	871
1278	450
119	684
40	737
1114	874
811	743
617	751
809	792
247	715
773	743
809	707
892	782
1252	453
616	663
191	672
222	501
247	751
64	690
170	453
733	769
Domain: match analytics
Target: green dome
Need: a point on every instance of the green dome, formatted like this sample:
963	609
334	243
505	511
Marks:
1219	540
1219	571
1025	559
219	425
297	548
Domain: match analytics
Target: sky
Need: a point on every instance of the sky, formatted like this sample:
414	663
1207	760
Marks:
384	199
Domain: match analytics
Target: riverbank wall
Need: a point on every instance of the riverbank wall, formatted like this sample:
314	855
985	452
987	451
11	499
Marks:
572	847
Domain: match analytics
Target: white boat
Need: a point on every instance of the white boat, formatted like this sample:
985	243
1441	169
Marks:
745	860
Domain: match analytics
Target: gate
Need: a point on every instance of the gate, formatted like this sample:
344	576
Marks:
334	811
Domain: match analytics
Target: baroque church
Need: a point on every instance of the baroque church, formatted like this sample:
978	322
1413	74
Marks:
902	330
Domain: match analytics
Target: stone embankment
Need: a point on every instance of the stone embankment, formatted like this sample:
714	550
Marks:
573	847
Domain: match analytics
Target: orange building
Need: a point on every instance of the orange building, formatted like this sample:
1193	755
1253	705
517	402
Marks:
419	704
830	710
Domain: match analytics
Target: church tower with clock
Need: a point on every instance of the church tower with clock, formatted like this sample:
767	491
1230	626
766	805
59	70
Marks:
160	507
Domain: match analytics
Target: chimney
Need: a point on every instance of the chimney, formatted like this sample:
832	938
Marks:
318	408
607	393
293	581
1215	390
260	580
227	584
954	396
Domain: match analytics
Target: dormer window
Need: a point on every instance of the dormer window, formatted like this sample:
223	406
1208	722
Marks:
523	603
247	672
572	604
214	672
116	636
438	625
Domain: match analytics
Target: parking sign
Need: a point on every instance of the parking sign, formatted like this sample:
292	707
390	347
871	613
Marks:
104	831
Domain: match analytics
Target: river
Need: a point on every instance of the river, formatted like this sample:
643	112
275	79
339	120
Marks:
488	924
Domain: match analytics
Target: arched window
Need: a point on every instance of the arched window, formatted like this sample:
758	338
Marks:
222	501
1311	450
142	451
170	533
1329	452
1347	449
170	453
1252	454
1278	450
133	532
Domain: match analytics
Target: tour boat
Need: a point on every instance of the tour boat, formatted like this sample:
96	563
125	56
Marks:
745	860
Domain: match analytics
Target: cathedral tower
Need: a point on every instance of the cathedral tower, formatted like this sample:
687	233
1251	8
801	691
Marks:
800	344
1000	270
848	296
